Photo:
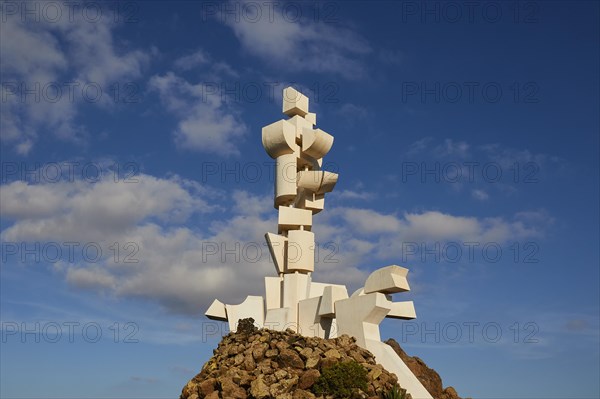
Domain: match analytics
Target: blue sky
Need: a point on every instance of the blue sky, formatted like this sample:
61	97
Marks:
135	188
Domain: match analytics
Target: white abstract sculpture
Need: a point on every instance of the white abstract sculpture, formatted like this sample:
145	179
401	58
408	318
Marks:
292	299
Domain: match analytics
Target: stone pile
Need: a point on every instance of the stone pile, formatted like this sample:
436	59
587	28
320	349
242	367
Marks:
261	364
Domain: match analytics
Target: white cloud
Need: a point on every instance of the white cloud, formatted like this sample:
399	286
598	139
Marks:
369	221
57	61
89	210
205	122
433	226
419	145
354	195
184	262
90	278
180	264
480	195
171	266
211	69
193	60
451	148
301	45
439	226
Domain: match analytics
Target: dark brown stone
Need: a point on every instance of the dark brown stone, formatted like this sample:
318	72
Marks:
308	378
290	358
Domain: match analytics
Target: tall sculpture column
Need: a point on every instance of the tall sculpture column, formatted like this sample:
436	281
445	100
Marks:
300	186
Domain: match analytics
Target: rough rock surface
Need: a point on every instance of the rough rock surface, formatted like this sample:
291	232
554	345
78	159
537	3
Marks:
430	379
265	364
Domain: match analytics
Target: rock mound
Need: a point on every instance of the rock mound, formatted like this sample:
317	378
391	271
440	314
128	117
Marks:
263	364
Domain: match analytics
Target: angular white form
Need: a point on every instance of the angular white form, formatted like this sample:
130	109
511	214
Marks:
278	319
402	310
293	300
217	311
385	355
388	280
301	251
279	138
273	288
294	219
253	306
278	248
359	316
316	143
294	102
331	294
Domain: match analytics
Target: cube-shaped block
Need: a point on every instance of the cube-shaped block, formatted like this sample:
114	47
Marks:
294	102
294	218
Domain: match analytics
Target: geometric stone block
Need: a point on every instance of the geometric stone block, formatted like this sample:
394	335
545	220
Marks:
277	248
402	310
309	322
310	180
316	181
387	280
385	355
285	180
360	316
309	200
294	102
277	319
329	181
331	294
316	143
273	287
295	288
311	118
318	289
294	218
279	138
216	311
253	306
300	124
300	251
314	202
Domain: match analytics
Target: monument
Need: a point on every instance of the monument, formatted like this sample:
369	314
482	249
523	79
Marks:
292	300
